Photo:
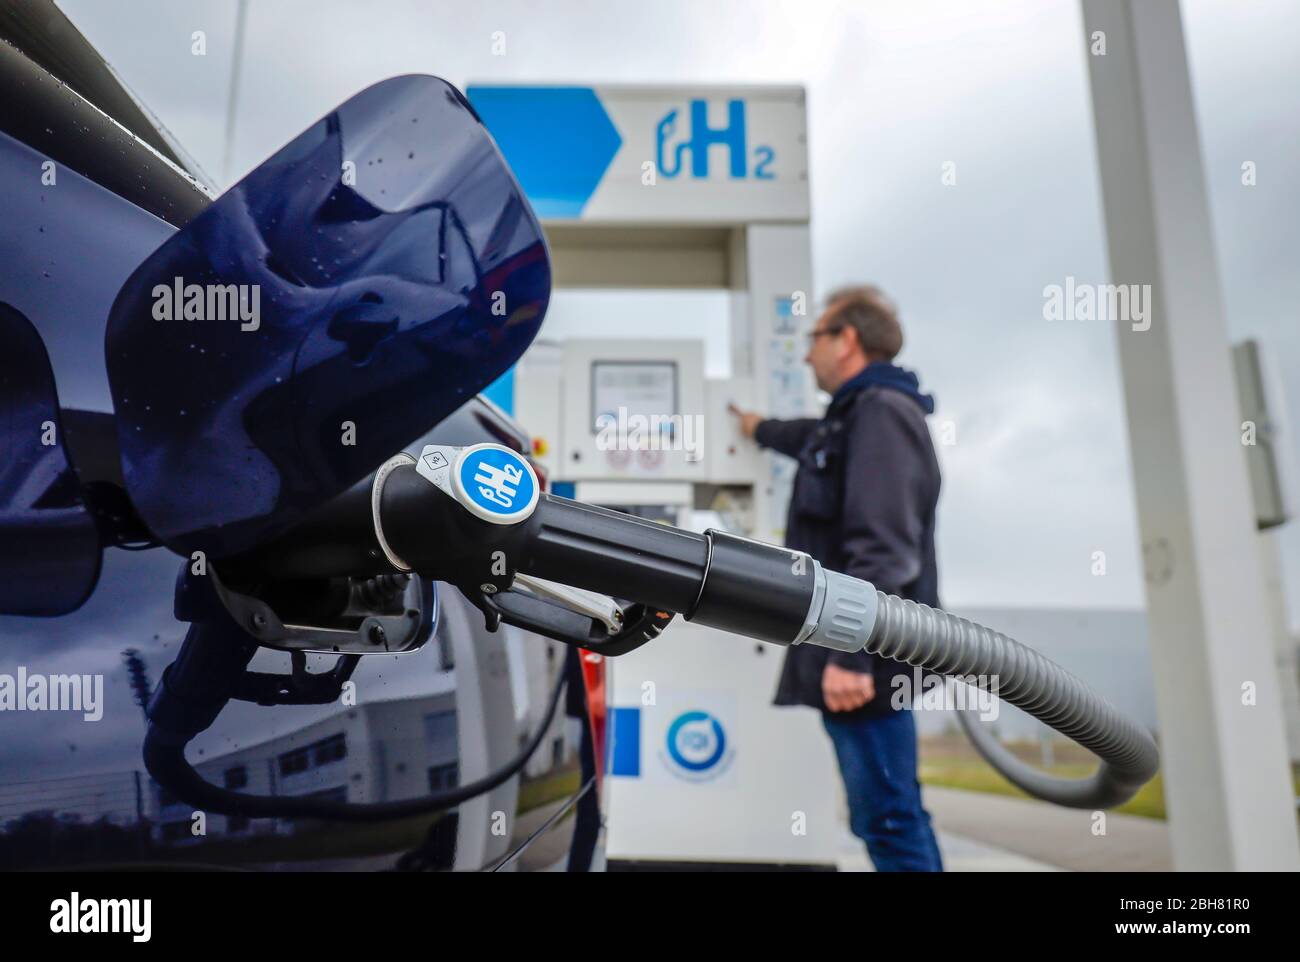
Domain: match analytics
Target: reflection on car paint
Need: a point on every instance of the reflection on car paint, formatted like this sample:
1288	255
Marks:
73	791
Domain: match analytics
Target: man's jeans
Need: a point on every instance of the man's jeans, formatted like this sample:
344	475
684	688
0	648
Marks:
877	758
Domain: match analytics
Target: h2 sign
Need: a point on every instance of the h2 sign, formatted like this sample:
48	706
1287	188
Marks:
702	136
647	154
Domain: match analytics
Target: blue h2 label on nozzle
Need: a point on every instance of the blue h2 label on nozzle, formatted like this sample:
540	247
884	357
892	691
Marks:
496	484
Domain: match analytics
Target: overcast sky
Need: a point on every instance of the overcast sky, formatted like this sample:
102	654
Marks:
1039	478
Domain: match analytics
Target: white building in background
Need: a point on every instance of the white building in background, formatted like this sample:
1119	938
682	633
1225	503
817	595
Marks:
376	752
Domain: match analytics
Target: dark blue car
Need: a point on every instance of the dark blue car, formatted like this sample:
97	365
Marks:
140	450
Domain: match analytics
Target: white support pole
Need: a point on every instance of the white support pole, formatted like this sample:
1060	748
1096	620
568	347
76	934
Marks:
1224	756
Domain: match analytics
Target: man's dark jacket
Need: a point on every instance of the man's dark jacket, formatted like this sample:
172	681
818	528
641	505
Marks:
863	503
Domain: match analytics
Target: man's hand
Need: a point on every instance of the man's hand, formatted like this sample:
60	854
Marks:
845	690
749	421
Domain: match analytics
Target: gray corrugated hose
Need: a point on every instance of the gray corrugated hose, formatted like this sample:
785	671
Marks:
941	642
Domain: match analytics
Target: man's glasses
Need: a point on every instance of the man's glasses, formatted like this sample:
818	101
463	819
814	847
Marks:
813	335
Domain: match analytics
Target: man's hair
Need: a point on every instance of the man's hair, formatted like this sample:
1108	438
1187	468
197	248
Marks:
868	311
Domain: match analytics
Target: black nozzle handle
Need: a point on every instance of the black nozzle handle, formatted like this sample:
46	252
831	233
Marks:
615	554
406	522
715	579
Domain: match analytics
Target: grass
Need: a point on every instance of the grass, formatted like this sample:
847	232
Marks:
949	761
320	840
539	791
327	840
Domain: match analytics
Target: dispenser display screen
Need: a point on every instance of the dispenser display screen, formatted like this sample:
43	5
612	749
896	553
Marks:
626	389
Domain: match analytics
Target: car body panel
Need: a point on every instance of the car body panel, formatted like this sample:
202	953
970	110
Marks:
72	786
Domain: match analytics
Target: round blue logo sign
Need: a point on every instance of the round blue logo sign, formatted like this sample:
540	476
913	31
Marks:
696	741
496	484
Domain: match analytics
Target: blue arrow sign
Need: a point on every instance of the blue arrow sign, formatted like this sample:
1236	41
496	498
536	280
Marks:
558	141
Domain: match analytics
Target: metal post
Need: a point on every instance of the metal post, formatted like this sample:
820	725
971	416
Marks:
1225	763
232	96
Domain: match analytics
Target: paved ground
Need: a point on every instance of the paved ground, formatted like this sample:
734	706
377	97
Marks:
959	855
978	832
983	832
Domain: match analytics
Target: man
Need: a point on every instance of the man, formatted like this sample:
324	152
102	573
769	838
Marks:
864	503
